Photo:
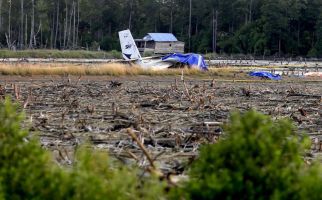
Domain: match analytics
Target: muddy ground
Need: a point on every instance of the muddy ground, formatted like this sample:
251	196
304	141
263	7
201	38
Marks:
170	116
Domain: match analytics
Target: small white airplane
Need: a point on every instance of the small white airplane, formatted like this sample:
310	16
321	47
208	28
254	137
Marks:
131	53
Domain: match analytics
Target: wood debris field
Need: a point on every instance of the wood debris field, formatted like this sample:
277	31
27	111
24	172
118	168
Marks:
163	120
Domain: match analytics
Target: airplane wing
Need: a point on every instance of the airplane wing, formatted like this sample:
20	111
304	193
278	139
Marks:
153	57
171	60
191	59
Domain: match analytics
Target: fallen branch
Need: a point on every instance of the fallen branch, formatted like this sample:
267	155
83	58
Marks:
142	147
133	155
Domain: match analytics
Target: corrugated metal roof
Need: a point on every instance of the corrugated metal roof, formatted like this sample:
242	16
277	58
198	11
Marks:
161	37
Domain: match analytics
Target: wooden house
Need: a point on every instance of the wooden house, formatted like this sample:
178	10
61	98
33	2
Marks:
159	43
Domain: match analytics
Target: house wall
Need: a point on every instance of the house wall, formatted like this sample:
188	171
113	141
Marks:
169	47
151	47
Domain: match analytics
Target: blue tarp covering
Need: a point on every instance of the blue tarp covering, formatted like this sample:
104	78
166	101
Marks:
191	59
268	75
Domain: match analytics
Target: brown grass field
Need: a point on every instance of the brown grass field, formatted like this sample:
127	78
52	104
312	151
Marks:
110	69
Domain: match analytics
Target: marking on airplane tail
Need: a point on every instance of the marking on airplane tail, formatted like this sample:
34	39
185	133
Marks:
128	55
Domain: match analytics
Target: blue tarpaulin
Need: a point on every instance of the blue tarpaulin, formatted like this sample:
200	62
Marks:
268	75
191	59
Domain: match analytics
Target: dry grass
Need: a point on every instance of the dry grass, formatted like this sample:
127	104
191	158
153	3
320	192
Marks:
63	69
29	69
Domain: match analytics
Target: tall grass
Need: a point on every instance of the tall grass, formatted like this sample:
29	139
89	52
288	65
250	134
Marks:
26	69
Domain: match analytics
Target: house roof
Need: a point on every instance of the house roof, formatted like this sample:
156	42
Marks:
160	37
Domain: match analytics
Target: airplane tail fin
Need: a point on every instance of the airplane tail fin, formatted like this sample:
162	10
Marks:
128	46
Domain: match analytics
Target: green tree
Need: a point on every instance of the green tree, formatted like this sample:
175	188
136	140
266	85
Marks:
275	23
258	159
318	45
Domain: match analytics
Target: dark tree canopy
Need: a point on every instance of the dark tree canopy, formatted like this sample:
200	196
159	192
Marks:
256	27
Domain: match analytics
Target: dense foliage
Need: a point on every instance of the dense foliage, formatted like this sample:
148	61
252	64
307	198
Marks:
260	159
28	172
257	27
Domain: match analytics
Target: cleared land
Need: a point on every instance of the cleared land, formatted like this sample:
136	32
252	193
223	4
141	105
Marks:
171	117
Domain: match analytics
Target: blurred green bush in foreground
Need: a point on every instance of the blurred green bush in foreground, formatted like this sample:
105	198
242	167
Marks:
257	159
28	172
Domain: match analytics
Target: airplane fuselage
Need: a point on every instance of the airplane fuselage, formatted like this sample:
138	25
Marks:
154	64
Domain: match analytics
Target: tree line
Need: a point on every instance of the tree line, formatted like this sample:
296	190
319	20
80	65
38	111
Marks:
256	27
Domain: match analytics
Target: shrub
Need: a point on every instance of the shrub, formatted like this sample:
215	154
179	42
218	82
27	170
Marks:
116	54
109	43
259	159
27	171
